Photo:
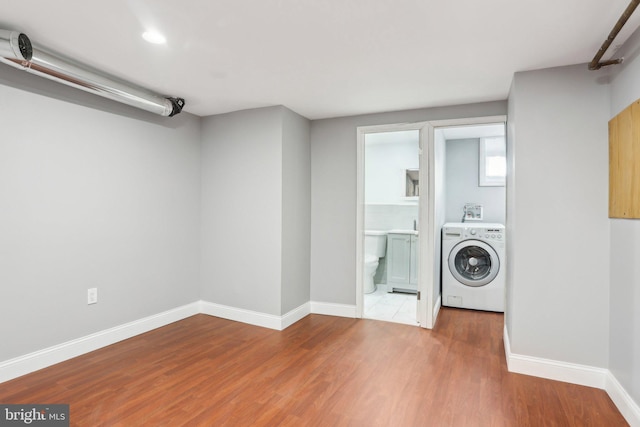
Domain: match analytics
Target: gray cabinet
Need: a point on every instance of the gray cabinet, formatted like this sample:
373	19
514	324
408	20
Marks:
402	258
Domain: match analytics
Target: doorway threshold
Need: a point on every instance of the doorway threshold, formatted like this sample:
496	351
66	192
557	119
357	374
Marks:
394	307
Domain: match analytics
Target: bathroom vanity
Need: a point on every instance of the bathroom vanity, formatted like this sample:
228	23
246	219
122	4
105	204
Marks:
402	258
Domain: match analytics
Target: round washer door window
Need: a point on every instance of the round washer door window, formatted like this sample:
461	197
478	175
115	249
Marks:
474	263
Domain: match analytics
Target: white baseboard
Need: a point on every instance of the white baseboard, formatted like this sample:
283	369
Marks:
31	362
625	404
255	318
507	345
436	310
332	309
539	367
294	315
576	374
250	317
552	369
22	365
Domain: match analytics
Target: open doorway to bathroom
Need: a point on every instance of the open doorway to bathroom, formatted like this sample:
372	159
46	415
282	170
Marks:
430	193
391	187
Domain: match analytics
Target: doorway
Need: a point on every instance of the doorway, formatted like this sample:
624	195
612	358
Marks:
431	210
393	185
391	236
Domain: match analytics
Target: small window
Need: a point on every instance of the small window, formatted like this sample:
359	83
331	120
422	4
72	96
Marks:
493	162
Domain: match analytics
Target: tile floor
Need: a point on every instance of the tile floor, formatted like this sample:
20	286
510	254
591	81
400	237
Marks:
392	307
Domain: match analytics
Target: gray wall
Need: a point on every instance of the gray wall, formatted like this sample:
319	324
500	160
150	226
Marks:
296	210
242	209
333	193
559	241
90	197
462	183
256	210
624	339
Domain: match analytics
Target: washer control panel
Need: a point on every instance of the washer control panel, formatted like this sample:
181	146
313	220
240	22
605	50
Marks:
488	233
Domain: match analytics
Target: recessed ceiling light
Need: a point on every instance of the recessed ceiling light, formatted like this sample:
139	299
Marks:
154	37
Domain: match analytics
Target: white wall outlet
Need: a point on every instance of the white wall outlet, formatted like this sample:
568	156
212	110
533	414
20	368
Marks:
92	296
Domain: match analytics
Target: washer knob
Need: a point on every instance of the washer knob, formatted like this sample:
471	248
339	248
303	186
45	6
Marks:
473	232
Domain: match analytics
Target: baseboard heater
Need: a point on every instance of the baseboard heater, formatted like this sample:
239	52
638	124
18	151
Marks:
17	51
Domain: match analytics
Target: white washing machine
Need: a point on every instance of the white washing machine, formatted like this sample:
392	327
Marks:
473	273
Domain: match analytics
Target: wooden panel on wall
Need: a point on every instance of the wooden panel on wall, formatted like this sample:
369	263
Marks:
624	163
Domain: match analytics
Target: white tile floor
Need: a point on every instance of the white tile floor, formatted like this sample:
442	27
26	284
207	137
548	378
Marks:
392	307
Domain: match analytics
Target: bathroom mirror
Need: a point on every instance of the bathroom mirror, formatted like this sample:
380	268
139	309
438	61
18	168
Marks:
412	184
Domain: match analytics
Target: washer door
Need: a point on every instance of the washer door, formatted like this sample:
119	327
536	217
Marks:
474	263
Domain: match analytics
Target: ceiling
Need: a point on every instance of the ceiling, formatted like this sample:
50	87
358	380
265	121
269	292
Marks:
321	58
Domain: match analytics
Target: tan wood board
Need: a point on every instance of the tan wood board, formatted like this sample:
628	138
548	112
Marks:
624	163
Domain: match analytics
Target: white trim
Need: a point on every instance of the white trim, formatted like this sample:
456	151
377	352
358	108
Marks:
39	359
575	374
507	346
553	369
255	318
436	310
250	317
22	365
294	315
625	404
332	309
468	121
426	219
360	149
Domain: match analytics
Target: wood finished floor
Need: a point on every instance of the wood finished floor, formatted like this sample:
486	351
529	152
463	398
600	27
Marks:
322	371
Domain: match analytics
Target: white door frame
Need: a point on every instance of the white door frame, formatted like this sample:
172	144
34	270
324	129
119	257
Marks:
427	309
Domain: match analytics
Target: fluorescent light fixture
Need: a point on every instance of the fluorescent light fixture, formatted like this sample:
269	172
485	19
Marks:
154	37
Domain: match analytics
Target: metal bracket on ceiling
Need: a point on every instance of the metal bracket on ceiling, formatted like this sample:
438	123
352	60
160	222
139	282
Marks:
595	63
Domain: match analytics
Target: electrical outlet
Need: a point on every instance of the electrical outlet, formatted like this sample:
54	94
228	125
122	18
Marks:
92	296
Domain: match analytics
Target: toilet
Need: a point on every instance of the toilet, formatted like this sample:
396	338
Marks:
375	244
